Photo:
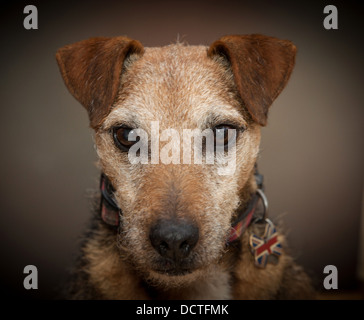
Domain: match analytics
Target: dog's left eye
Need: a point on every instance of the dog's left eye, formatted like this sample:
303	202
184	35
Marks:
121	137
222	136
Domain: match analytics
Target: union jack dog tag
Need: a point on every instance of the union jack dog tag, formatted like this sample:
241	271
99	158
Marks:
267	248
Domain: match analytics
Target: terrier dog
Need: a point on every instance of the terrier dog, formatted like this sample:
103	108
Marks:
172	230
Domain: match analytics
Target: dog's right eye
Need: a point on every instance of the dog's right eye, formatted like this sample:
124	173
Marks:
222	137
121	137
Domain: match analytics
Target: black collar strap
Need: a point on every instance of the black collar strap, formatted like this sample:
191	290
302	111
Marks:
109	209
110	212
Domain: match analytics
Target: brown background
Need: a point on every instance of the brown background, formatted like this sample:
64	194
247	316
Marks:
312	150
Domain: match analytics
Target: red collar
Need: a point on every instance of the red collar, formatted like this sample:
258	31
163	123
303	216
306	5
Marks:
110	212
248	216
238	228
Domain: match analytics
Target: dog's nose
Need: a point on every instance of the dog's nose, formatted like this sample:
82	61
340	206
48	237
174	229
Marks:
174	240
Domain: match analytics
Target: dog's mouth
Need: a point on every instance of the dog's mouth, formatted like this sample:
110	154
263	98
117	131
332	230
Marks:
174	271
174	268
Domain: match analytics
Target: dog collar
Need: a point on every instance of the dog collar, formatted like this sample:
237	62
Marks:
110	212
249	215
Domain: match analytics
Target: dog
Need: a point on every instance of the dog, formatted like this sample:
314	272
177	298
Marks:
171	230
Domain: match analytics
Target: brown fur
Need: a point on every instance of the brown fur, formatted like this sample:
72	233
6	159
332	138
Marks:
233	81
261	66
91	70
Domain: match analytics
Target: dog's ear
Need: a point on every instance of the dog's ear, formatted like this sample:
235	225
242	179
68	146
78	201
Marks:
261	66
91	70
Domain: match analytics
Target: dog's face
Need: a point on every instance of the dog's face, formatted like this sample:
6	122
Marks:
176	216
181	88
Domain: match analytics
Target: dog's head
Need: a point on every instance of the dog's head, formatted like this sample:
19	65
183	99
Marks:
177	212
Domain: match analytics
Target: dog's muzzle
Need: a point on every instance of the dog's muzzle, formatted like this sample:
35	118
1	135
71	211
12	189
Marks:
174	239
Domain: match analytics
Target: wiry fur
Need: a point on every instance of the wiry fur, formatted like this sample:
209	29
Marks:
182	87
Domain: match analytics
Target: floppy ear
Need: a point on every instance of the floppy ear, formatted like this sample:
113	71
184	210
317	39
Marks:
261	66
91	70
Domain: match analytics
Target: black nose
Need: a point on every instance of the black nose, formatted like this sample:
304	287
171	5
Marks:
174	239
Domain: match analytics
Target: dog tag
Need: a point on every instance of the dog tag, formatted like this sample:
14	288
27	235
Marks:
266	249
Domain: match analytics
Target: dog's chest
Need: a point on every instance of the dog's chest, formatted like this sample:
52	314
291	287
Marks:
217	288
214	287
